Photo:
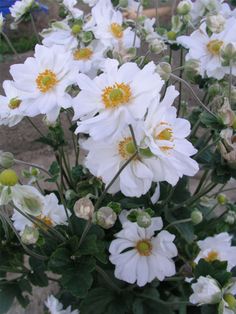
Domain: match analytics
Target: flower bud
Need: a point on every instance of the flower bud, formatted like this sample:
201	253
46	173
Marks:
214	90
106	217
226	113
76	29
222	199
70	194
184	7
171	35
192	69
84	208
164	70
215	23
144	220
177	25
30	235
230	217
87	37
6	159
196	217
8	177
230	300
228	54
157	46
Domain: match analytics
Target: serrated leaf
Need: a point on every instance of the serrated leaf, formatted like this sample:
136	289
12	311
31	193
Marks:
60	260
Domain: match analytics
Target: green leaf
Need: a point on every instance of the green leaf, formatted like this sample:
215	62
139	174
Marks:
186	231
78	279
60	260
7	296
37	276
211	121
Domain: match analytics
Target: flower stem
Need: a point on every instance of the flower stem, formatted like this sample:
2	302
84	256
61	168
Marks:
178	222
10	45
34	27
107	279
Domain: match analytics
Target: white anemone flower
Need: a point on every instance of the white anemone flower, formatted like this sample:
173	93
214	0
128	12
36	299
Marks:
60	33
26	198
205	291
119	95
89	58
207	48
91	3
219	248
42	81
109	27
1	22
52	214
135	179
20	8
10	109
140	256
70	7
170	152
55	307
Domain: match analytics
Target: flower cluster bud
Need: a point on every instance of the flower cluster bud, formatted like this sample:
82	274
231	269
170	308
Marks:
30	235
105	217
184	7
157	46
196	217
6	159
215	23
164	70
144	220
84	208
228	54
230	217
222	199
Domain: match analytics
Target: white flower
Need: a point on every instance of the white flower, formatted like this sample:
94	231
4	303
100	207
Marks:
202	7
59	33
91	3
207	48
55	307
10	109
26	198
106	158
70	6
1	22
89	58
217	247
216	23
169	151
20	8
42	81
205	291
52	214
109	29
118	95
146	256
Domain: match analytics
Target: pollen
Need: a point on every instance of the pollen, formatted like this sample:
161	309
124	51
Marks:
126	148
46	81
47	220
83	54
116	95
212	256
214	46
144	247
165	135
14	103
116	30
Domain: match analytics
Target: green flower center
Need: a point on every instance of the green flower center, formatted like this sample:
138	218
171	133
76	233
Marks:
144	247
8	177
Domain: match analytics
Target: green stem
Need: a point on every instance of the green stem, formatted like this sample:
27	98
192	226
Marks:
136	24
34	27
35	127
180	82
107	279
230	81
206	147
201	181
177	222
10	45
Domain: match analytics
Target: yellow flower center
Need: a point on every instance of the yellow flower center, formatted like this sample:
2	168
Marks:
116	95
144	247
46	81
47	220
83	54
8	177
14	103
212	256
126	148
165	135
214	46
116	30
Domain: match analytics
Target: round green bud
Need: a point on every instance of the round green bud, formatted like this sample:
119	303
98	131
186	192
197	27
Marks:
70	194
171	35
30	235
6	159
144	220
196	217
222	199
8	177
183	7
105	217
231	301
76	29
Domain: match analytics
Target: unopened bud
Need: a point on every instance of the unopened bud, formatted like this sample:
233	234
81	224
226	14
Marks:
230	217
106	217
222	199
184	7
30	235
6	159
192	69
70	194
196	217
215	23
87	37
8	177
76	29
144	220
230	300
214	90
228	54
84	208
171	35
157	46
164	70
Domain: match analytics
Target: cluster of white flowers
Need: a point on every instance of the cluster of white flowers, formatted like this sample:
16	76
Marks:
55	307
